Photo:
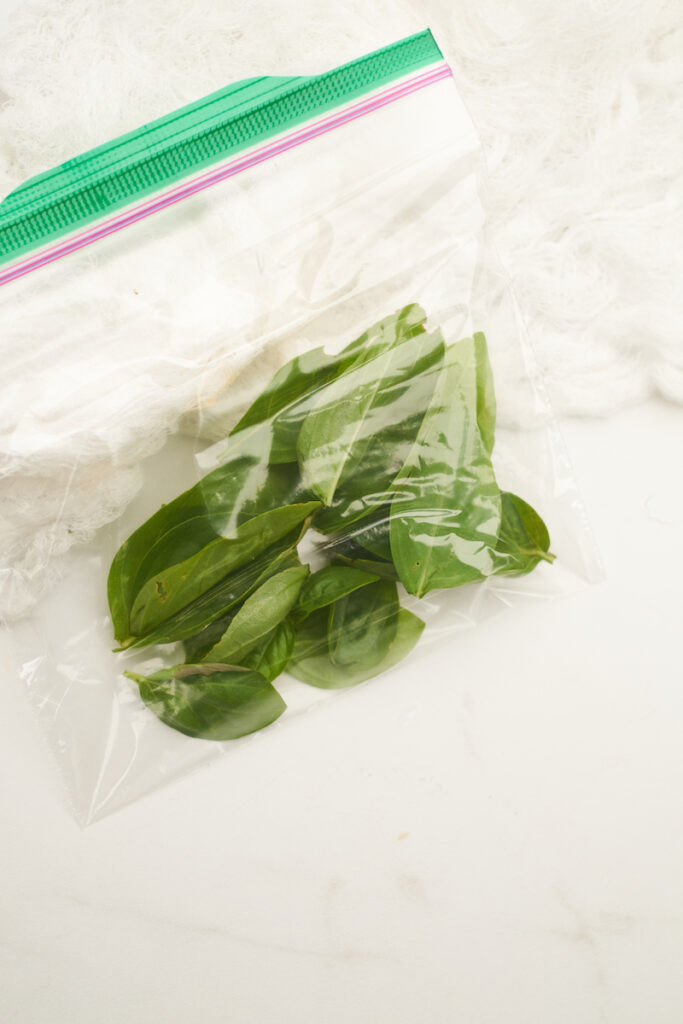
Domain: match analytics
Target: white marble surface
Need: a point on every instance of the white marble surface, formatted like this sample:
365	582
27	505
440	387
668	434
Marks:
496	840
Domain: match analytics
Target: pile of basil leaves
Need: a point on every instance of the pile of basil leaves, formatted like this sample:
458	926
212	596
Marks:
384	450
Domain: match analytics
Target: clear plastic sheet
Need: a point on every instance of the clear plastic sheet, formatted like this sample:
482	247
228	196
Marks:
325	357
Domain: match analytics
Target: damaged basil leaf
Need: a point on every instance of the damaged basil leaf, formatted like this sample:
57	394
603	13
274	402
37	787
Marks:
210	702
191	620
173	589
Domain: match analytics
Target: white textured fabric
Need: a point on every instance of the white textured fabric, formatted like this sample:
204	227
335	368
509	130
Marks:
579	106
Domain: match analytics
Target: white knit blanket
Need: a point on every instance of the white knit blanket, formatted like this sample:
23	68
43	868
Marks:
580	107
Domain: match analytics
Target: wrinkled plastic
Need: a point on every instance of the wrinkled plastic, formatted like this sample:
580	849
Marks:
335	353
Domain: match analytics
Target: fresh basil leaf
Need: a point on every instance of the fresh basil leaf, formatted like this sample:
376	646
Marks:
400	326
270	658
372	534
199	644
264	489
486	396
213	497
363	423
523	539
358	629
259	614
376	567
244	486
312	635
343	545
343	549
327	586
292	391
312	664
394	435
278	486
181	584
386	433
210	702
366	486
363	625
446	514
523	542
282	403
406	323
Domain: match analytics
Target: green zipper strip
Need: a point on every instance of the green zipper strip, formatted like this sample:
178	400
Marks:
135	165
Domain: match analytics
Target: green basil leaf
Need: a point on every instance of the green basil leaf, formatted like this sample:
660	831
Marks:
486	396
213	498
291	393
400	326
327	586
259	614
363	625
522	543
272	656
376	567
178	586
312	664
523	539
372	534
386	433
191	621
405	323
356	630
210	702
374	397
446	514
312	635
243	487
177	544
228	502
344	550
199	645
345	546
279	485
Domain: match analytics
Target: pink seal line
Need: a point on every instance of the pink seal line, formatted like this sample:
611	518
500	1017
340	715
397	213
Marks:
222	171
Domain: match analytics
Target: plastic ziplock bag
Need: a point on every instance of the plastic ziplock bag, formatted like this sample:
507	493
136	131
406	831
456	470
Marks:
270	422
